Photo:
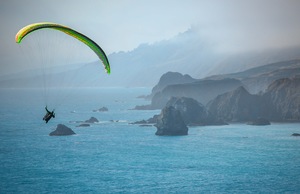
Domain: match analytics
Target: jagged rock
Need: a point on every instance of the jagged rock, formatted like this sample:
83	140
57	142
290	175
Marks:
170	123
103	109
281	102
296	134
92	120
238	105
83	125
150	121
193	112
62	130
153	119
259	121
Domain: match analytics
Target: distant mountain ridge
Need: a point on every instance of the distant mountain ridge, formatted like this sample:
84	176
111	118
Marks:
188	53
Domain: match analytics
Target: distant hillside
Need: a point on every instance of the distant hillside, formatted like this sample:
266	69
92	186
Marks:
259	78
188	53
171	78
256	80
202	91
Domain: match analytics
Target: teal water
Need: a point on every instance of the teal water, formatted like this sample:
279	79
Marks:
117	157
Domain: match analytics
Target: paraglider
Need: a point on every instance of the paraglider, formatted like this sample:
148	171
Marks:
48	115
25	31
81	37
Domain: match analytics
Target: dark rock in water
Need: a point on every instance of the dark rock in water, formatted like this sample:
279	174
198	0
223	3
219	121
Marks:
144	107
103	109
296	134
62	130
150	121
146	125
92	120
170	123
259	121
83	125
75	121
140	122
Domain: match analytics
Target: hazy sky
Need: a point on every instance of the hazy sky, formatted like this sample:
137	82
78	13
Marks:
121	25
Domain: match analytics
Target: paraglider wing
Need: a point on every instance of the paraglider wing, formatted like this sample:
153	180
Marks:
86	40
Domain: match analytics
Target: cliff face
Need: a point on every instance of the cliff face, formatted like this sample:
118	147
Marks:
281	102
238	105
203	91
193	112
284	99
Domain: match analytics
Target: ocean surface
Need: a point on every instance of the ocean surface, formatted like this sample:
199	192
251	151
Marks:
114	156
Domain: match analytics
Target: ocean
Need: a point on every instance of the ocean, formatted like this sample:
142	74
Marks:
114	156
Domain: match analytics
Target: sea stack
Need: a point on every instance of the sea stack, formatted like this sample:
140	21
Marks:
170	123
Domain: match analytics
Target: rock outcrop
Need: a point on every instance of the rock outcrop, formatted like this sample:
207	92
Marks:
103	109
238	106
83	125
259	121
296	134
170	123
62	130
92	120
150	121
280	102
193	112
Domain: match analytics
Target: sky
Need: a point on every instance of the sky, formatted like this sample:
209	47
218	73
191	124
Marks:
121	25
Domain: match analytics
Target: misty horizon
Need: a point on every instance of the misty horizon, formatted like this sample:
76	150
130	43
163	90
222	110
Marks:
122	26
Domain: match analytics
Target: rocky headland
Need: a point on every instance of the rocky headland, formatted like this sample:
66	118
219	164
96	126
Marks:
227	99
201	90
279	103
222	99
